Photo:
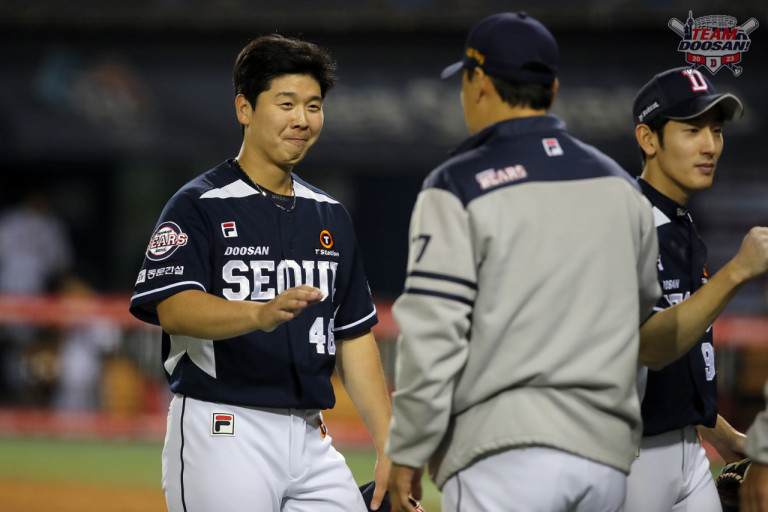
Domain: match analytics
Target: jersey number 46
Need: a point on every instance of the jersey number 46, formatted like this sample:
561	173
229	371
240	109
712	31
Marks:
318	337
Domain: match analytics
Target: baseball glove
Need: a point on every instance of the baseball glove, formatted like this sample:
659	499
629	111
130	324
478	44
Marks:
729	481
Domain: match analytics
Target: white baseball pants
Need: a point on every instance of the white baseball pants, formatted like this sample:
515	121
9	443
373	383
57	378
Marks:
220	457
672	475
535	479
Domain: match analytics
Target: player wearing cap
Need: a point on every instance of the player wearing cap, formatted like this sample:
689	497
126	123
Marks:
515	372
679	123
257	281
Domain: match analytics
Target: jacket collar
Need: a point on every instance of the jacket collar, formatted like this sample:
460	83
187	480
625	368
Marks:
511	128
669	207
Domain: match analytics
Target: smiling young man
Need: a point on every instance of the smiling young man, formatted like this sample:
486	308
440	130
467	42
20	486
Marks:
679	127
257	281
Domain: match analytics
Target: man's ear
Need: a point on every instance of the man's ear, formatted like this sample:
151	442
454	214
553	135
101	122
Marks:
483	84
647	139
243	109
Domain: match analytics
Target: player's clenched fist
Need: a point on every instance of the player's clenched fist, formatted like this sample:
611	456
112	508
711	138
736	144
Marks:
287	306
752	258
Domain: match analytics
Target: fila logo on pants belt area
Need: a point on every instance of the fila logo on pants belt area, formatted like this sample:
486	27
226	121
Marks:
222	424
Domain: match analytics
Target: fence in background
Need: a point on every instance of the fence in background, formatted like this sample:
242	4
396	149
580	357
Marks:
131	395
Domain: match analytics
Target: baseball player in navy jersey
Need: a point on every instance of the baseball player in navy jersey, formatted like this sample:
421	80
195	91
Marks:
257	281
679	121
532	263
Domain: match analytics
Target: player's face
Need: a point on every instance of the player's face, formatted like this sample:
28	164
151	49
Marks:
286	121
686	162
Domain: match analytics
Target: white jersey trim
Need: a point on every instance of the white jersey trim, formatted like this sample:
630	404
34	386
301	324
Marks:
307	193
166	288
235	189
659	219
240	188
200	352
356	323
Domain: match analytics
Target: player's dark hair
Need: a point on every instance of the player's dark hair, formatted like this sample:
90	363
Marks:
523	94
656	125
272	56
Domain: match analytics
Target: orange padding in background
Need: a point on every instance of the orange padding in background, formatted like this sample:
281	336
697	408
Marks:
55	310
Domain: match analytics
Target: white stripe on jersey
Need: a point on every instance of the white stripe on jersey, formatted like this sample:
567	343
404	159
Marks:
240	188
336	329
302	191
237	188
165	288
659	219
199	351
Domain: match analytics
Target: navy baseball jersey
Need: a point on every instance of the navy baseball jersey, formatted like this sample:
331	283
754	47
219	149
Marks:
222	235
685	391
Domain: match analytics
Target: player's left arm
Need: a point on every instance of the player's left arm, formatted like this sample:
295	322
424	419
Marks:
729	442
359	367
670	333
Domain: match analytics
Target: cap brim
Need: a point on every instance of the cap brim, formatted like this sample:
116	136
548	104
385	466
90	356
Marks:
728	104
451	70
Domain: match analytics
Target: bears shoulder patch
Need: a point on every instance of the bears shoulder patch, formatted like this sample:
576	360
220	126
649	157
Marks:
165	241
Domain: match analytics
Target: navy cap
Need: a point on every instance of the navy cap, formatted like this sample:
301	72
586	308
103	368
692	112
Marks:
679	94
511	46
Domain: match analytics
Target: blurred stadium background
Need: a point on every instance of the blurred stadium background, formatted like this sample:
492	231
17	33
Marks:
107	108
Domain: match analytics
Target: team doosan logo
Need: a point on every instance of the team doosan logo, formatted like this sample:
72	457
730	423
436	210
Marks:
713	41
165	241
222	424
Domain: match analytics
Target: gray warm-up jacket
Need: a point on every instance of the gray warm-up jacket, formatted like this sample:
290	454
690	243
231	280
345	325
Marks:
531	266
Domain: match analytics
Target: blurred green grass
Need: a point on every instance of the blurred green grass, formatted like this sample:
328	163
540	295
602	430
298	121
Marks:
131	464
137	464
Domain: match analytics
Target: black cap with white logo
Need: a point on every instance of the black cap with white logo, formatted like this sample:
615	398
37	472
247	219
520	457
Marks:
682	93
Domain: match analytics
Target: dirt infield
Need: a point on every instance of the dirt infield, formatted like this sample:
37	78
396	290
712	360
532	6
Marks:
30	496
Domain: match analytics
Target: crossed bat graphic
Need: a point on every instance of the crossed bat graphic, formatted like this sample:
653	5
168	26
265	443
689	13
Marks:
748	26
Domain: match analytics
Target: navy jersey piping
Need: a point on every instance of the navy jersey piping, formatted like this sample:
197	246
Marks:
449	296
443	277
181	452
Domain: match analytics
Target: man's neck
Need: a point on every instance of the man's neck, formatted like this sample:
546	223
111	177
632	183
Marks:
271	177
669	188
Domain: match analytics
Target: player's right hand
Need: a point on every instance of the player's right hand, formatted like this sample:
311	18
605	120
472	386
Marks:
404	481
752	258
287	306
